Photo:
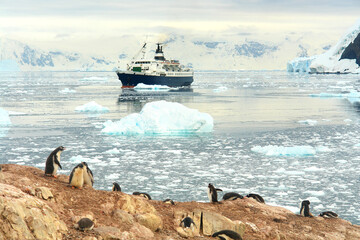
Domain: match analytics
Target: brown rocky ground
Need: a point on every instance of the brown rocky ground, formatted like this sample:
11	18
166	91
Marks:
261	221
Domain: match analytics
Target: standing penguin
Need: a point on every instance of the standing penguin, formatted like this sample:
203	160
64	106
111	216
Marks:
116	187
53	162
212	193
88	175
305	209
77	176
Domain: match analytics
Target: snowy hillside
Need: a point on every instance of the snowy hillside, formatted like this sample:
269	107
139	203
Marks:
344	57
15	56
205	53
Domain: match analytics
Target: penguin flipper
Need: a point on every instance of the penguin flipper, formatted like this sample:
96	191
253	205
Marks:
71	175
218	189
57	162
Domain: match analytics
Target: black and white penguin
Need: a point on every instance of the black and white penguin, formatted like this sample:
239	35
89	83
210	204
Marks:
77	176
116	187
88	175
169	201
212	193
53	162
187	222
328	214
145	195
85	224
257	197
232	196
227	235
305	209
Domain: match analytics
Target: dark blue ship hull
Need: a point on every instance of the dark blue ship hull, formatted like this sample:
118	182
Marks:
129	80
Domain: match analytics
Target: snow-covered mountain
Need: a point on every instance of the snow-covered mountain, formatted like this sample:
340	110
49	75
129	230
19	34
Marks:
15	56
205	53
344	57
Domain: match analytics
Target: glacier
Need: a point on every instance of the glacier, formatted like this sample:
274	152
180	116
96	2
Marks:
92	107
161	118
342	58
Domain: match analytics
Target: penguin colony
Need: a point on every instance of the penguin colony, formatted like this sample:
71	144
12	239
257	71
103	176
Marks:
82	175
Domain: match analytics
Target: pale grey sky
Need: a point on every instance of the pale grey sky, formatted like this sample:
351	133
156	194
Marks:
67	22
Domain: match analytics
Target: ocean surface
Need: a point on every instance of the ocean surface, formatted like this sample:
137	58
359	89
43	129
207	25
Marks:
287	137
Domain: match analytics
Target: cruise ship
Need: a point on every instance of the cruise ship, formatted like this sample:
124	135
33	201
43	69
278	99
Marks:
157	71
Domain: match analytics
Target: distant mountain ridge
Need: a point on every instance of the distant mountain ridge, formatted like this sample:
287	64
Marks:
227	54
15	55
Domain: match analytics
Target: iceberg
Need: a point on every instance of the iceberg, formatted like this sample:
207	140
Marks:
344	57
308	122
92	107
9	65
163	118
353	97
4	117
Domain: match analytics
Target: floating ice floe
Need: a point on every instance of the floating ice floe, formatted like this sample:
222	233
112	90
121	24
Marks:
353	97
92	107
94	79
113	151
220	89
161	117
4	117
274	150
144	87
67	90
308	122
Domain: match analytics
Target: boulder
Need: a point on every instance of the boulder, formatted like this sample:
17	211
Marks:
43	192
150	220
122	217
26	217
109	233
141	232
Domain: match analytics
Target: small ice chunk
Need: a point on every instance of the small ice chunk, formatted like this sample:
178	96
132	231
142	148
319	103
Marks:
67	90
145	87
308	122
113	151
220	89
92	107
274	150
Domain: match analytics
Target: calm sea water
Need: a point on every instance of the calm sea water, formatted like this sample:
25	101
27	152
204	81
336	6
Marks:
263	123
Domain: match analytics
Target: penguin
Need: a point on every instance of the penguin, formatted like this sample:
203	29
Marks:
85	224
88	175
232	196
212	193
53	162
227	235
145	195
257	197
328	214
77	176
187	222
305	209
169	201
116	187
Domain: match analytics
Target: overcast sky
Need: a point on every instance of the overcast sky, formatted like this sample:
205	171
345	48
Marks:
47	21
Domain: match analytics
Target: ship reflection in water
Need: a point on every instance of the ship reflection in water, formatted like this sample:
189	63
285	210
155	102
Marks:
136	99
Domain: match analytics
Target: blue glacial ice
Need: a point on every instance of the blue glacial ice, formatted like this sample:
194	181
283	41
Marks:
92	107
297	151
161	117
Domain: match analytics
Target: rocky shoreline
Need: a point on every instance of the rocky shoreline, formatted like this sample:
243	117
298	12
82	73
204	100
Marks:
33	206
